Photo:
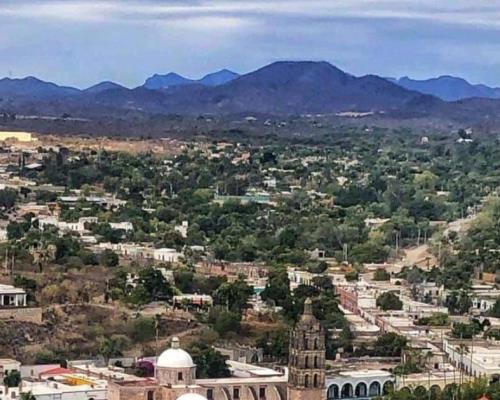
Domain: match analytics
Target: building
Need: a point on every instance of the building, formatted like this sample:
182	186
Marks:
360	384
175	379
166	255
175	374
14	306
307	358
19	136
182	228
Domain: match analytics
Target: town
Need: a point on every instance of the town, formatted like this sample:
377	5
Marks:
359	268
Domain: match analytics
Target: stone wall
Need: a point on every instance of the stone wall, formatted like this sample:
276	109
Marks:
22	314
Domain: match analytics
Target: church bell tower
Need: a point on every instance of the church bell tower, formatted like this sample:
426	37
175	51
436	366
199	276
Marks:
306	364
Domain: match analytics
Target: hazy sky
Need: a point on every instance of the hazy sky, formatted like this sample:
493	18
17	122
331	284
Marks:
82	42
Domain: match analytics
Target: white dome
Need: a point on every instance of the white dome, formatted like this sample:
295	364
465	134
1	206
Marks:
191	396
175	357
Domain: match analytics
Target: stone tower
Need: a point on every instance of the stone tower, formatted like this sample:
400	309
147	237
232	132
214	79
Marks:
306	364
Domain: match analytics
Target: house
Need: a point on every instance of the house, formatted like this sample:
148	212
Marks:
14	306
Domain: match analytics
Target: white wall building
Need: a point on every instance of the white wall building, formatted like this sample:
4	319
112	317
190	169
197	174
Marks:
166	255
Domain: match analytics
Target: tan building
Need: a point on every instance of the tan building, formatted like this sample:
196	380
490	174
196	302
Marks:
175	375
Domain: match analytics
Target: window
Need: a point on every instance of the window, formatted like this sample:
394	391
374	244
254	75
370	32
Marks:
262	392
315	384
179	376
210	394
236	393
151	395
307	361
306	381
315	361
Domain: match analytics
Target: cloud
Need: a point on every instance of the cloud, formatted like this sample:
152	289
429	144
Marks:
482	12
80	42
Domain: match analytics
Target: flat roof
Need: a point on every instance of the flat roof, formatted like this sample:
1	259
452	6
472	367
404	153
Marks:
365	373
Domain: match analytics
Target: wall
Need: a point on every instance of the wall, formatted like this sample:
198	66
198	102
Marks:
22	314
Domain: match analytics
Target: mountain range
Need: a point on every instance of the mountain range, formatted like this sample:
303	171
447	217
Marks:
448	88
281	88
172	79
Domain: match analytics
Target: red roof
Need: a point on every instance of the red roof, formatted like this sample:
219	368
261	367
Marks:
56	371
483	397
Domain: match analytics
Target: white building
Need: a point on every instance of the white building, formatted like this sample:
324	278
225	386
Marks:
123	226
166	255
182	228
11	296
358	384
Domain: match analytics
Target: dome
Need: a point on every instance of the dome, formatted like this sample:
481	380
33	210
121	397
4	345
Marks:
175	357
191	396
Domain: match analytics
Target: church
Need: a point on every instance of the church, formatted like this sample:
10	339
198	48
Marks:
175	374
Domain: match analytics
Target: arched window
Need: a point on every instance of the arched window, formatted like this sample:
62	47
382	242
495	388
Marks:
315	381
316	346
316	362
360	390
333	392
306	362
306	381
374	389
346	391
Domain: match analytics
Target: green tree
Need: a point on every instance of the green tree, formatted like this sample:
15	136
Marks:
209	362
112	346
224	322
109	258
381	275
389	301
234	295
142	329
12	379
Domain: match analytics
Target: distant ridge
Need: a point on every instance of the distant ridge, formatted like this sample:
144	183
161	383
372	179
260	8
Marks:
173	79
103	86
283	88
33	88
448	88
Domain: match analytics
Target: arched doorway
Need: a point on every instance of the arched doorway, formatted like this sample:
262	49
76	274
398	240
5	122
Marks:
388	387
361	390
333	392
374	389
346	391
420	392
435	392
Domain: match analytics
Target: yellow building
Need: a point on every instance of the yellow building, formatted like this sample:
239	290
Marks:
19	136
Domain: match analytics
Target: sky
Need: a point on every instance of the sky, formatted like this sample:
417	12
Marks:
82	42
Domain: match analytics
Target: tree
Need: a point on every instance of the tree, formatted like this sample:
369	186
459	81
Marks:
12	379
155	284
141	329
381	275
112	346
109	258
389	344
389	301
234	295
495	310
14	230
223	321
209	362
8	198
